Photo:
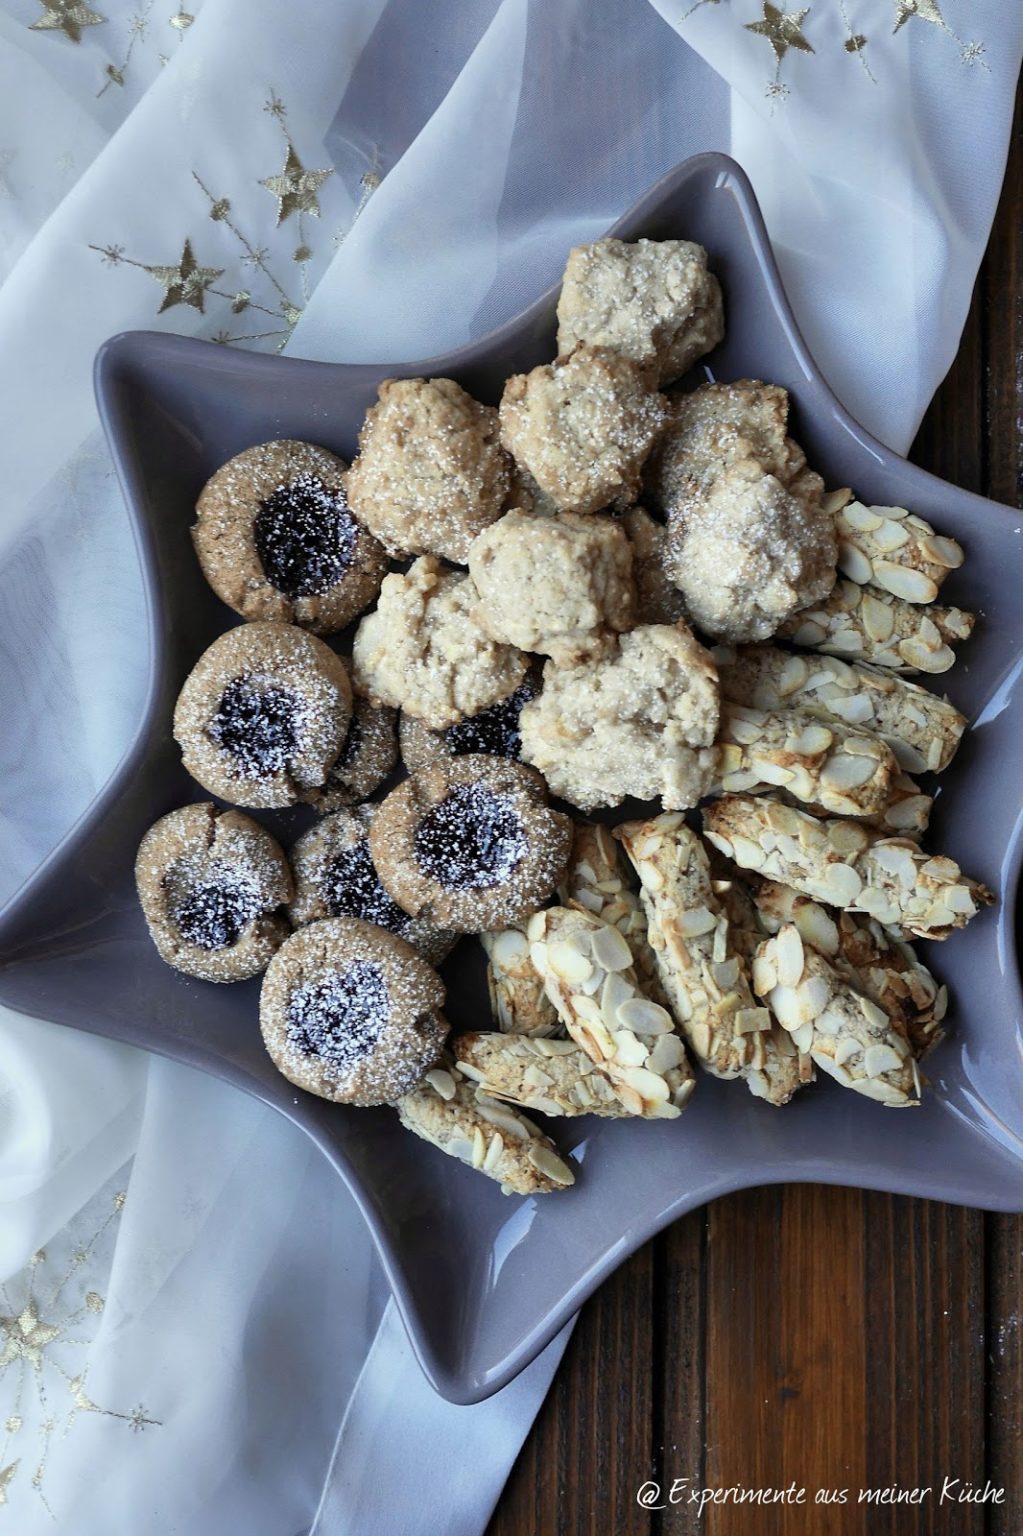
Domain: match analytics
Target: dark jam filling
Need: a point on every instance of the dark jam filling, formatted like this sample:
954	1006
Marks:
212	916
304	536
494	730
352	888
339	1018
257	726
470	841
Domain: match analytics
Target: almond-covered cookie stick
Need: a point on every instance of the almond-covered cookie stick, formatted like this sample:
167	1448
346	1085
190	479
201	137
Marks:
823	764
887	969
518	1002
555	1077
587	970
864	624
846	865
598	879
922	729
701	969
892	548
846	1034
446	1109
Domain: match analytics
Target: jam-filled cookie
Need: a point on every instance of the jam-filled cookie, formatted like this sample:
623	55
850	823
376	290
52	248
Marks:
335	877
369	753
263	714
277	539
431	472
470	843
494	731
352	1013
212	884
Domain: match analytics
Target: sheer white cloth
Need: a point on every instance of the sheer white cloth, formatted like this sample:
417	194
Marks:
198	1354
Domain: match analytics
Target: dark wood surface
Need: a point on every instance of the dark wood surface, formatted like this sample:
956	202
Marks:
808	1335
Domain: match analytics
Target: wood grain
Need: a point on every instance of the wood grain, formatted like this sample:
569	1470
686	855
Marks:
818	1336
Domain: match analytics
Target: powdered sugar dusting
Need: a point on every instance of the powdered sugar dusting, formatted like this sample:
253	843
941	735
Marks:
305	536
472	840
338	1018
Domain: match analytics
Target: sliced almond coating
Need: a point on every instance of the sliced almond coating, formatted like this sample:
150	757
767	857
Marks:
867	624
860	1046
518	1002
922	729
622	1052
843	771
889	548
491	1137
599	880
848	865
703	973
516	1070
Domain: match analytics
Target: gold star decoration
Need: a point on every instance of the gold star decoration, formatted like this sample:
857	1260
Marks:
186	283
295	188
25	1337
783	29
6	1473
926	10
67	16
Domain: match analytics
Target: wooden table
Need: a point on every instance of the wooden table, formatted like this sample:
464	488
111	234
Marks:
809	1335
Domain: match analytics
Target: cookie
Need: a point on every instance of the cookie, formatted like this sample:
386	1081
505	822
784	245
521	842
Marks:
748	534
658	600
211	884
651	300
276	538
335	877
494	731
368	755
583	426
470	844
422	649
351	1013
263	714
431	472
637	720
558	585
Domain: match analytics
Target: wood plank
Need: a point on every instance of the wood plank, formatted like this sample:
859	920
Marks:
680	1351
1003	330
591	1445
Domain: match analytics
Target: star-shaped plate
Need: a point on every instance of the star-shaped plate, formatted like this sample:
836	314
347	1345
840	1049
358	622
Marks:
484	1281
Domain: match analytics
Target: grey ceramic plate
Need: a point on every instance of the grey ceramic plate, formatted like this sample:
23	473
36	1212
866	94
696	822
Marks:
483	1281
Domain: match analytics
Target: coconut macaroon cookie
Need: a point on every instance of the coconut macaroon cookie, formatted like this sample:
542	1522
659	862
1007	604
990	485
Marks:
335	877
651	300
276	538
351	1013
558	585
263	714
583	426
470	843
431	472
369	752
494	731
637	720
211	884
424	651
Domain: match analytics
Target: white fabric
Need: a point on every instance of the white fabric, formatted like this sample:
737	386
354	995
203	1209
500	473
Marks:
240	1296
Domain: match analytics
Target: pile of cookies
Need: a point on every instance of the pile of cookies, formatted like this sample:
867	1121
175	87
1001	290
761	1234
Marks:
556	556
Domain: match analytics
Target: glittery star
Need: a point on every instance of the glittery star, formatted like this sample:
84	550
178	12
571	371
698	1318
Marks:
67	16
783	29
926	10
972	53
295	188
6	1473
25	1337
186	283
